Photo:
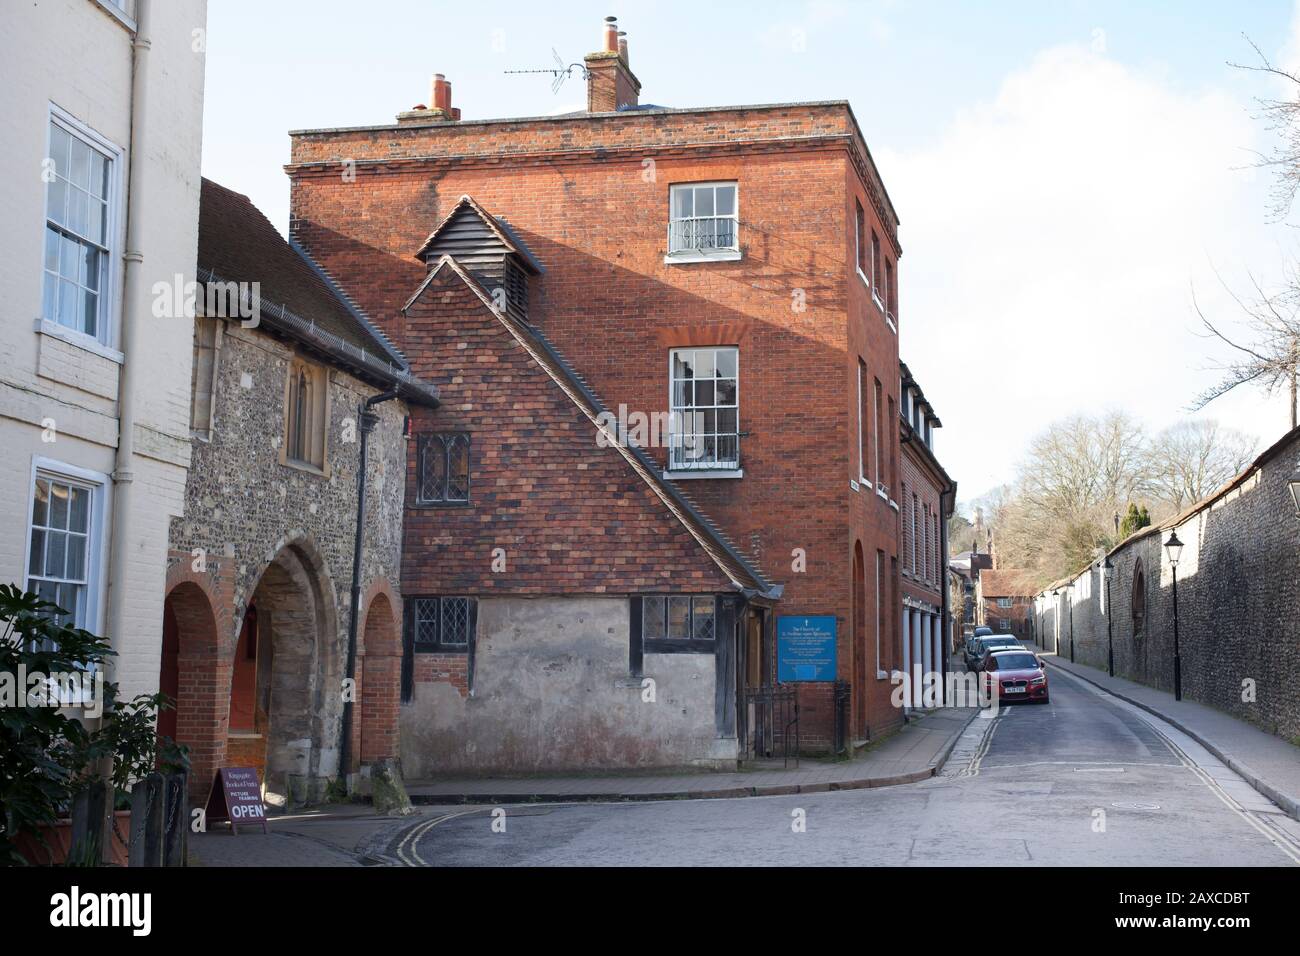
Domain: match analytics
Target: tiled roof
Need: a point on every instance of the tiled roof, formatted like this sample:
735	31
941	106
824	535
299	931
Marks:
1007	583
238	243
715	544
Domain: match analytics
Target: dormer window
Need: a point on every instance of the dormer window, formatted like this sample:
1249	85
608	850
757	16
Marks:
703	222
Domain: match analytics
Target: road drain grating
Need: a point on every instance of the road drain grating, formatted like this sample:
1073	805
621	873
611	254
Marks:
1136	806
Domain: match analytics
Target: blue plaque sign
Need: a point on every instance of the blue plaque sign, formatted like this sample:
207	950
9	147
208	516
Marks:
805	649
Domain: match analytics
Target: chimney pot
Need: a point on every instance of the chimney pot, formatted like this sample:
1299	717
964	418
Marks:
622	44
441	94
611	34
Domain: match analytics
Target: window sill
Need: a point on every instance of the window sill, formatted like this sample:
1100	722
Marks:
722	255
865	281
889	321
119	15
439	504
664	645
879	302
79	339
702	473
854	486
305	467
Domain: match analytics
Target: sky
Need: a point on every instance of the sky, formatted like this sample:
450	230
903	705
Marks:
1067	175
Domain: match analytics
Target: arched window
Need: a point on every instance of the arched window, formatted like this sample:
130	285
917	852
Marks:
306	414
1138	603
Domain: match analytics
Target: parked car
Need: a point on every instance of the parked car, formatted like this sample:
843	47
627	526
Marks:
1017	674
982	630
973	651
991	643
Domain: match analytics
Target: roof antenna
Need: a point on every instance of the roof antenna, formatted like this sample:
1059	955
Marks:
559	72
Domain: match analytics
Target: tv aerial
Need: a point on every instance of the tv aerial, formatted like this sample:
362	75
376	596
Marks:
559	72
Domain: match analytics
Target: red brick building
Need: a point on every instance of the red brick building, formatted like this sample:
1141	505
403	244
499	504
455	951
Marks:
727	273
927	497
1004	600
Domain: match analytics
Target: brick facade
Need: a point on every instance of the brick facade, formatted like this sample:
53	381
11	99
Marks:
589	195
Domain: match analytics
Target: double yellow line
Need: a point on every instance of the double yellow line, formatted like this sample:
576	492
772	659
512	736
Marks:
406	849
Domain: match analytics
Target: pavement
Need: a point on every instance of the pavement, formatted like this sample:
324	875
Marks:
1268	763
915	752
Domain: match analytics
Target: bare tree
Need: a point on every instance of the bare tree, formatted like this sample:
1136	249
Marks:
1268	356
1192	460
1273	321
1282	117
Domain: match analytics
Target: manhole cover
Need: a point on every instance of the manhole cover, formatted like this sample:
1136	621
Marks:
1136	806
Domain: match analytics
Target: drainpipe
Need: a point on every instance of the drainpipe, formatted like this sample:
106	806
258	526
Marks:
133	305
367	420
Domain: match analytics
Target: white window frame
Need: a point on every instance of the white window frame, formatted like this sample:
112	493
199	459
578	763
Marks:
875	264
859	223
100	487
118	10
730	253
915	506
862	408
876	389
880	612
107	327
723	471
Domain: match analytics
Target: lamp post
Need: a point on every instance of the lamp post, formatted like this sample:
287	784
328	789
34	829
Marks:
1175	549
1106	568
1056	621
1071	597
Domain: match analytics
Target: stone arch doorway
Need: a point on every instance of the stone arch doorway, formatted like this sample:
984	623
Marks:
289	637
380	681
196	676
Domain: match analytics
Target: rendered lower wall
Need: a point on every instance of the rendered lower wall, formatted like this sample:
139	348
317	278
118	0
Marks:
552	692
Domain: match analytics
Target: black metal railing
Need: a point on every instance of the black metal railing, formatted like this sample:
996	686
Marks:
843	697
772	724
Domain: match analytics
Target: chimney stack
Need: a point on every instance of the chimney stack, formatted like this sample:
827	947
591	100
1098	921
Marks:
438	110
611	85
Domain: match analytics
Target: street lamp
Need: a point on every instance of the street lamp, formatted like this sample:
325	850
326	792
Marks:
1106	568
1175	549
1056	621
1071	597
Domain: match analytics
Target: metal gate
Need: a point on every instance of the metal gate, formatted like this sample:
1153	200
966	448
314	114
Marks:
843	699
771	724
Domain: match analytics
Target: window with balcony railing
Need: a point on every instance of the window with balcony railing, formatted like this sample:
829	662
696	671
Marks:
704	425
703	219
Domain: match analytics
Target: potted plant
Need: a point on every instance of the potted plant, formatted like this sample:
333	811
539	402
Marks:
48	754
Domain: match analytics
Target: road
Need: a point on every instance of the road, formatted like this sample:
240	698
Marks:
1084	780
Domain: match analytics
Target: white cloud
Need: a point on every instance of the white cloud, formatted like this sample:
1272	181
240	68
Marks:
1052	237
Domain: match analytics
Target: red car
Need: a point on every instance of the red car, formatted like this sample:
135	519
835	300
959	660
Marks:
1019	675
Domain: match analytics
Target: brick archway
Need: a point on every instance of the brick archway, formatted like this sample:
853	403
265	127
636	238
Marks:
196	667
380	676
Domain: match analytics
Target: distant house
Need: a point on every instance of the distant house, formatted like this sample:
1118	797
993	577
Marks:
1003	601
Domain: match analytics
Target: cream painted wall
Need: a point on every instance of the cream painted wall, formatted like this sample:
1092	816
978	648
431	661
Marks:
77	55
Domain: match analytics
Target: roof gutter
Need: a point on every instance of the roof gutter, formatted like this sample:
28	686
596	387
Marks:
276	316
